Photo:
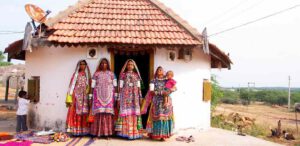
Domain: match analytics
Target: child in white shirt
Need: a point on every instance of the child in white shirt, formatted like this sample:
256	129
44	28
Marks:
23	104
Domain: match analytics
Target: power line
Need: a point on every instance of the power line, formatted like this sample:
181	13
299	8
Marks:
225	12
241	12
256	20
10	32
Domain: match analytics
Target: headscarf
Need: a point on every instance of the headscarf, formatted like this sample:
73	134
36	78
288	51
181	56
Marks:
155	74
135	68
75	75
108	65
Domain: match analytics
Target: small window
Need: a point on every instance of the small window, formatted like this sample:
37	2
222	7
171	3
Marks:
206	90
34	89
171	55
181	53
185	54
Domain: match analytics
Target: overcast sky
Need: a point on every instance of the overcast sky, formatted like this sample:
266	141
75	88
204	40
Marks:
265	52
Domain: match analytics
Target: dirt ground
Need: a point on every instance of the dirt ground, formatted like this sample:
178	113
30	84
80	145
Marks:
213	136
266	116
11	93
210	137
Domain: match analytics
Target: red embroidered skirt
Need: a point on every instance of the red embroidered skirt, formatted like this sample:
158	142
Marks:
77	125
103	125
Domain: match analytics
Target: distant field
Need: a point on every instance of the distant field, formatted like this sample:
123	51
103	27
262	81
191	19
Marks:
265	115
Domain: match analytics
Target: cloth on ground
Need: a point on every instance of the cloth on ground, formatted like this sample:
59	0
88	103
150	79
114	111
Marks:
185	139
14	143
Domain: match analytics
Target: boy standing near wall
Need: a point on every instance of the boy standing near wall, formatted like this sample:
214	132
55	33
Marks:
23	104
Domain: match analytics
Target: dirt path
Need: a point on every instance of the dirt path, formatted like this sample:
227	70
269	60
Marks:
263	114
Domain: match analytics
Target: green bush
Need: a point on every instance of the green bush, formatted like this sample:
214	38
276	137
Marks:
5	63
268	96
230	100
218	122
257	131
216	92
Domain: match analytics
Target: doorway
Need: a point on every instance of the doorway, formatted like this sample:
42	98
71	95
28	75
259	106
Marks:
144	62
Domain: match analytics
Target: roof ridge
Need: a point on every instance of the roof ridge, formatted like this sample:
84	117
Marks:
65	13
168	11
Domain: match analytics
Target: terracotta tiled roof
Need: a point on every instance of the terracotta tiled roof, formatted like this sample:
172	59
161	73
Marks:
15	51
218	58
122	21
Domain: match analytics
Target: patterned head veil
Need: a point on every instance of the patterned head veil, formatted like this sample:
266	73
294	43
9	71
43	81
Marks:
108	65
135	68
155	74
75	75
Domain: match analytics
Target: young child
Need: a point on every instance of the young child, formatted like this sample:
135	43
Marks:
170	86
23	103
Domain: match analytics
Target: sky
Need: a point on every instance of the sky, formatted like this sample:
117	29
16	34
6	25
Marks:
265	52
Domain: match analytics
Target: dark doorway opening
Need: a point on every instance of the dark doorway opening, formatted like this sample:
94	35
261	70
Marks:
143	63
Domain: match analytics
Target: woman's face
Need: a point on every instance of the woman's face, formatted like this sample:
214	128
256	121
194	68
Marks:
82	65
103	65
160	72
130	66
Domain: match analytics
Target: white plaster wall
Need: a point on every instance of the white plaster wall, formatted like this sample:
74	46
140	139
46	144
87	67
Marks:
189	109
55	66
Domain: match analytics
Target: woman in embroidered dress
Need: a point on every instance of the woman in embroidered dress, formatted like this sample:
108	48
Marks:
77	100
160	123
103	100
129	123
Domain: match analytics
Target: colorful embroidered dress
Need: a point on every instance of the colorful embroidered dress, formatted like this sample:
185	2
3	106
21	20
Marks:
129	123
76	123
160	123
103	104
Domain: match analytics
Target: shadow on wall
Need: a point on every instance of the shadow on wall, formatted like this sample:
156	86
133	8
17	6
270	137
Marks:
33	119
35	123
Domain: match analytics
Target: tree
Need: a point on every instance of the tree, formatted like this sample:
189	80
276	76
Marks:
2	58
216	92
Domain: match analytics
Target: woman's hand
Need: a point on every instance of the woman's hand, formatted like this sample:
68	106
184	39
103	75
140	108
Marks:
152	93
165	93
174	89
68	105
141	101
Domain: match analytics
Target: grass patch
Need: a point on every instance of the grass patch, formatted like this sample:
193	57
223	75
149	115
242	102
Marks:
219	121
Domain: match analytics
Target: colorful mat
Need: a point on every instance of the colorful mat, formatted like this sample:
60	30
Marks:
14	143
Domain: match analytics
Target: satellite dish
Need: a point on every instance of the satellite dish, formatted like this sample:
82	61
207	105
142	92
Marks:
36	13
205	41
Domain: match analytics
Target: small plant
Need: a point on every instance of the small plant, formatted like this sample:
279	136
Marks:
257	131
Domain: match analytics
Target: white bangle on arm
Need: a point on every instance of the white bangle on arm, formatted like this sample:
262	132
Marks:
121	83
115	83
138	84
151	86
93	83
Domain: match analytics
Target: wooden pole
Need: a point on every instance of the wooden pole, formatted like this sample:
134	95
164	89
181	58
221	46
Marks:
278	132
296	120
289	95
7	88
17	90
